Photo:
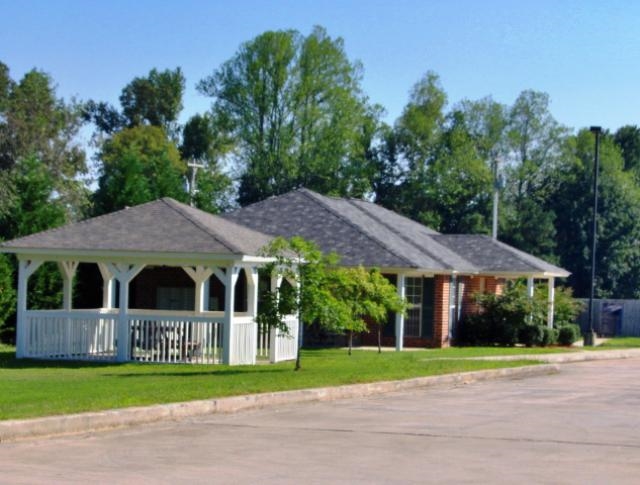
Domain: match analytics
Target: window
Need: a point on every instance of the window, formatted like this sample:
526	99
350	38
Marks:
413	294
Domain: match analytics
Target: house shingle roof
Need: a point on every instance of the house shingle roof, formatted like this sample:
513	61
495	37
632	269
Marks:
363	233
491	256
161	226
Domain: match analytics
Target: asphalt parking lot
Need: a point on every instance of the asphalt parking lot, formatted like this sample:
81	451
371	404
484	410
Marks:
579	426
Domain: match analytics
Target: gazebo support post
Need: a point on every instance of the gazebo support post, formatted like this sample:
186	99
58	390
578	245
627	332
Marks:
108	288
230	279
68	270
124	273
25	269
200	275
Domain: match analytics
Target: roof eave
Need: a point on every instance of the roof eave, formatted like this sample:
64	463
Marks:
146	257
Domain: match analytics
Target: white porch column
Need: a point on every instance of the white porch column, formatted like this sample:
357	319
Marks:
551	296
25	269
109	283
400	316
124	273
200	275
530	288
229	280
68	270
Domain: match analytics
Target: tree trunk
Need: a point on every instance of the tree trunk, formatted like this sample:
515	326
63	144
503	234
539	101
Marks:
379	338
350	340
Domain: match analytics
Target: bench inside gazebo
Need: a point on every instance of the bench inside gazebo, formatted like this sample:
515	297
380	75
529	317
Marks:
166	238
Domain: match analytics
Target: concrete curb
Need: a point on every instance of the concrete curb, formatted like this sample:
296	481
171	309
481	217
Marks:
20	429
583	356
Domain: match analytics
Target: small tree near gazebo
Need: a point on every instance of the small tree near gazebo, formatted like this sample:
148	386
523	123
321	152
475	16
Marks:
338	298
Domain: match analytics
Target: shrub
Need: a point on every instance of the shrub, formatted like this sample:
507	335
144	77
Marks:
531	335
567	334
566	308
513	317
473	330
549	336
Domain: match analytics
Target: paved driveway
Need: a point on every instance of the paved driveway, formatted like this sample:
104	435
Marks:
579	426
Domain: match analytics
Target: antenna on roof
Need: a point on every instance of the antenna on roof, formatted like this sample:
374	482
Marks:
194	166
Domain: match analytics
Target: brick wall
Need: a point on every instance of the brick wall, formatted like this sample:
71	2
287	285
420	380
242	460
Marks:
470	286
441	311
495	285
478	284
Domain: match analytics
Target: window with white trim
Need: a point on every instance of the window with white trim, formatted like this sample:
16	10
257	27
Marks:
413	294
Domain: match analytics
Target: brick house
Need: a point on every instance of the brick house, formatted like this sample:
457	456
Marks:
439	274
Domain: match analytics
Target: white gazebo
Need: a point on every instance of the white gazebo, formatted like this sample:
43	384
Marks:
163	233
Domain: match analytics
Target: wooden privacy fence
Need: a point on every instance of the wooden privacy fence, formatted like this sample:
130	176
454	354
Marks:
612	317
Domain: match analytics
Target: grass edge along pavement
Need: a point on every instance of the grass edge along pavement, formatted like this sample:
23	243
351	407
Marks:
435	358
14	430
32	388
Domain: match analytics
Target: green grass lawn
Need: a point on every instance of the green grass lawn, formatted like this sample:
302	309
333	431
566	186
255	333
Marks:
30	388
620	343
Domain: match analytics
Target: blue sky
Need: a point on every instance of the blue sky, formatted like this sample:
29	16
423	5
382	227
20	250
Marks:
585	54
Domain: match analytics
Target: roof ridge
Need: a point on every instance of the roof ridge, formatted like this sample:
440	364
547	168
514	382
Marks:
177	207
401	234
314	195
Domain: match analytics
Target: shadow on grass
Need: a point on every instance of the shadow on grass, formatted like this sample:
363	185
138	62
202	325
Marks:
8	360
213	372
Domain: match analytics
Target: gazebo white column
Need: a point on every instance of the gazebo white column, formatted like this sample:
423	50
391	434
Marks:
229	278
551	296
108	288
252	291
200	275
400	315
68	270
124	273
25	269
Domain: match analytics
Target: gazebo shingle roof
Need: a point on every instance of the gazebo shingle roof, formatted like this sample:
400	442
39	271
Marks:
161	226
363	233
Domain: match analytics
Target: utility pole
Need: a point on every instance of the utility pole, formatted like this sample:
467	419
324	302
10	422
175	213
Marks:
496	198
194	166
589	337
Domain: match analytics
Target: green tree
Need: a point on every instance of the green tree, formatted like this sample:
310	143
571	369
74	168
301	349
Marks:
458	185
139	164
618	254
411	149
32	207
155	99
7	299
432	167
339	299
420	126
295	111
537	152
302	263
34	122
628	139
368	297
204	141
